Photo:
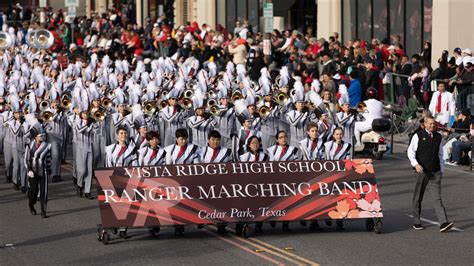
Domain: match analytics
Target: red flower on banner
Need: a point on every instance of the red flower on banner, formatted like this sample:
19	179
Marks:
349	164
364	165
372	195
352	198
369	210
343	210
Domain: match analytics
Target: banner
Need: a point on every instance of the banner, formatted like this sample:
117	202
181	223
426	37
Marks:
233	192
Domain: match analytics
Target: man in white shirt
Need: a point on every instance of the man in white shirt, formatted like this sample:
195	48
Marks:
442	105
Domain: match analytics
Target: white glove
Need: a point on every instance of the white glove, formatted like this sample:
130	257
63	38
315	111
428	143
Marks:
31	174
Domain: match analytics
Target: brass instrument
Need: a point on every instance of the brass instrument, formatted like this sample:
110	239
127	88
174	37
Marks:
66	101
6	40
310	105
236	95
187	103
163	104
149	107
292	92
258	99
361	107
46	116
189	93
106	102
281	98
215	110
211	102
211	94
264	111
43	105
97	114
40	39
163	94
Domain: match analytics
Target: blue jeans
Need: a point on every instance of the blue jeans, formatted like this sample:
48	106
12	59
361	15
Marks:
458	148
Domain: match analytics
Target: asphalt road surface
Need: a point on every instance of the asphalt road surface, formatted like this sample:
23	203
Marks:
68	235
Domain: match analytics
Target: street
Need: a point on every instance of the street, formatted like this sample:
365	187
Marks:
68	235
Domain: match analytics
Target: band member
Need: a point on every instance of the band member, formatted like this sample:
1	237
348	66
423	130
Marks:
72	117
121	154
151	155
173	115
269	122
18	148
312	147
121	117
214	152
245	132
181	153
337	149
298	118
225	121
84	143
345	119
254	154
5	118
200	124
37	161
140	140
324	125
55	131
99	134
282	152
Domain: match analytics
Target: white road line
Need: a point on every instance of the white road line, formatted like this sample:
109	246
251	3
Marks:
436	223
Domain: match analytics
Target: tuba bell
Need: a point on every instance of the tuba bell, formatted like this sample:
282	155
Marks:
6	40
44	39
264	111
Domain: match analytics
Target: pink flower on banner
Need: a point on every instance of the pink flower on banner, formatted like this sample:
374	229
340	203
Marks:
372	195
352	198
349	164
369	210
343	211
364	165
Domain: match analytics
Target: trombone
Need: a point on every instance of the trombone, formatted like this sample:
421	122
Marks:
237	95
46	116
264	111
211	102
189	93
215	110
163	104
281	98
106	102
43	105
149	107
187	103
97	114
66	101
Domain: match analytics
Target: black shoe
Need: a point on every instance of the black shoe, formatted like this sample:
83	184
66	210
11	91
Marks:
418	227
74	182
43	214
58	178
314	226
339	226
221	230
16	187
239	228
32	210
328	222
273	224
303	223
200	226
446	226
123	234
79	192
88	196
54	179
179	231
285	227
9	179
23	189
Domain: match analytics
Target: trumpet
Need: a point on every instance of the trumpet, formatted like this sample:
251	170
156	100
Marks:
215	110
189	93
237	95
98	115
149	107
281	98
187	103
258	99
264	111
43	105
106	102
66	101
211	102
211	94
163	104
46	116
